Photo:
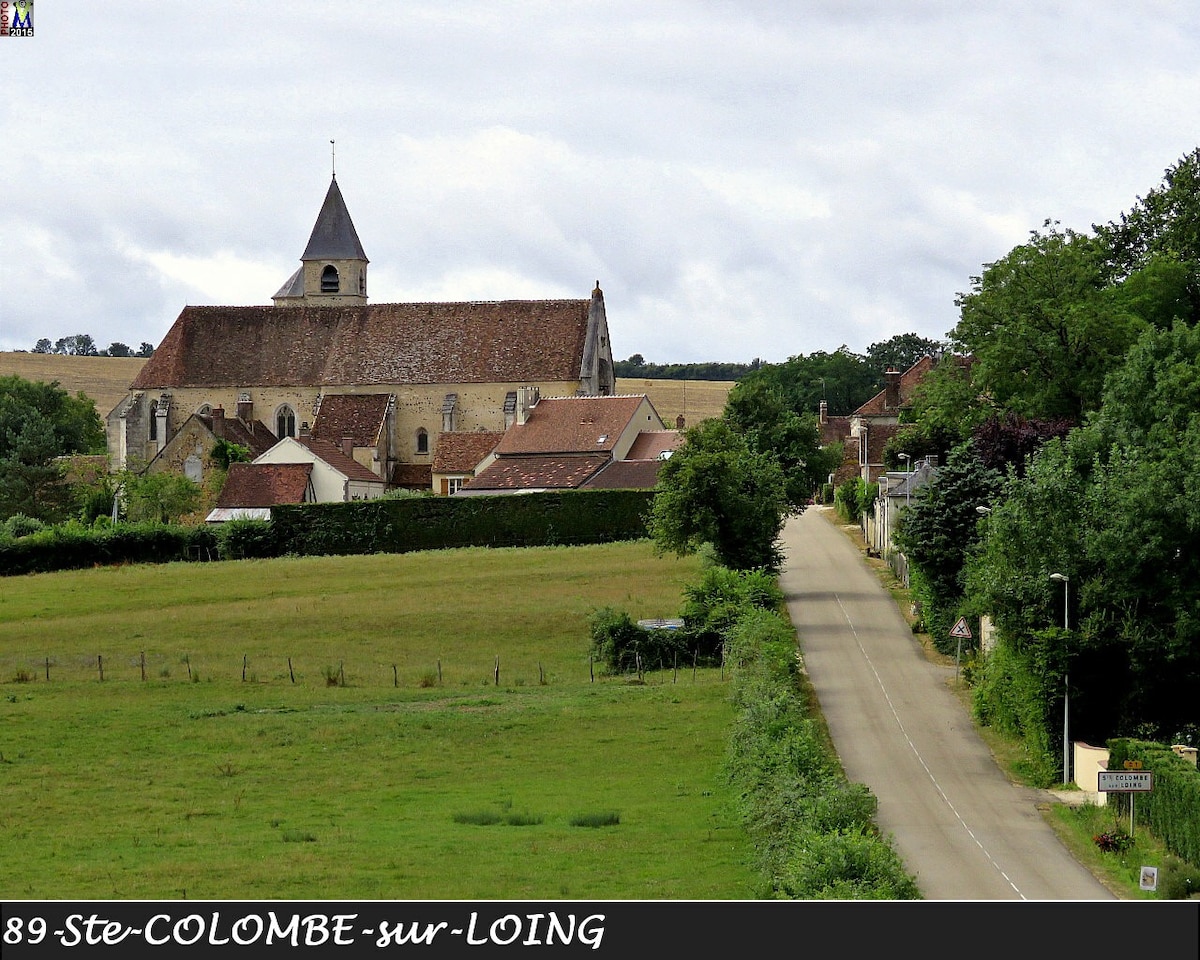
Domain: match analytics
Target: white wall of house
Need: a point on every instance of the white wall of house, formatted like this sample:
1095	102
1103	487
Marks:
330	485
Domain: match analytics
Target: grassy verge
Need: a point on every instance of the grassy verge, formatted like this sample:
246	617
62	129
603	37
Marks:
423	726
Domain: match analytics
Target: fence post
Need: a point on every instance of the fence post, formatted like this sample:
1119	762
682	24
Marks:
143	666
291	672
100	664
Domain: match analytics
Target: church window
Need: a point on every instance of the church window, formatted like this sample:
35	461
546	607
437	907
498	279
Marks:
329	279
153	419
362	283
422	441
285	422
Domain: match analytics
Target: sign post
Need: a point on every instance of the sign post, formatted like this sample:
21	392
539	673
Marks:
962	632
1127	781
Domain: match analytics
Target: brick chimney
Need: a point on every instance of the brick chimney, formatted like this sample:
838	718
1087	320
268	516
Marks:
527	399
218	422
680	422
891	390
823	412
305	431
245	409
348	447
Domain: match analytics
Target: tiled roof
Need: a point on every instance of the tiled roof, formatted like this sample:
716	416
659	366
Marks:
537	472
332	455
412	476
513	341
908	380
254	436
359	416
835	429
264	484
571	425
651	443
627	475
878	434
462	452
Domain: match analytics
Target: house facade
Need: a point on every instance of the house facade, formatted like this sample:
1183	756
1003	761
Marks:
423	368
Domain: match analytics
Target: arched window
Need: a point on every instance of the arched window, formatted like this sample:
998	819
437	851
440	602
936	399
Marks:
329	279
153	419
285	422
422	441
362	282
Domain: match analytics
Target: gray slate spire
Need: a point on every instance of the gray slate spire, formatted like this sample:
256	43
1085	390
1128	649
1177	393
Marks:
333	236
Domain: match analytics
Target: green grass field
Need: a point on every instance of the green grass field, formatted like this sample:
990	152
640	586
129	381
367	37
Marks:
333	728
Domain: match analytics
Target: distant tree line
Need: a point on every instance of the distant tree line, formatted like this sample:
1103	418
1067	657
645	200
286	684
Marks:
637	367
82	345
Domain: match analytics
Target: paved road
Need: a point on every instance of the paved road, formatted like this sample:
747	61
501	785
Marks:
962	828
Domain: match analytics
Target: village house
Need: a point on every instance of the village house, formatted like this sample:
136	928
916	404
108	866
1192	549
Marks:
394	378
565	443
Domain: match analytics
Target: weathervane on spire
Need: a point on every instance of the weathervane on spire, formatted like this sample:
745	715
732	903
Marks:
333	158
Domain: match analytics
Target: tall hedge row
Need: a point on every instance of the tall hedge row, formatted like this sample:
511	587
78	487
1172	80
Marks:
429	523
1172	807
371	526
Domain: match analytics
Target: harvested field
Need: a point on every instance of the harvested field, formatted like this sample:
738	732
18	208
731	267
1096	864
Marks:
106	379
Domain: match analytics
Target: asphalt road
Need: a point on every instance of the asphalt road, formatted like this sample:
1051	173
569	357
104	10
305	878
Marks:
963	829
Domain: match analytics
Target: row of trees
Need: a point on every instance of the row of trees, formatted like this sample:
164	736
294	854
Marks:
738	477
82	345
1068	411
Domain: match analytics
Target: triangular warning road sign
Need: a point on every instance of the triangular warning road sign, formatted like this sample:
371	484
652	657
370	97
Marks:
960	629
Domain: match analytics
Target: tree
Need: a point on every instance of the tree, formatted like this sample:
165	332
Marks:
843	379
79	345
146	349
38	422
937	529
159	497
901	352
43	346
1045	327
118	349
758	411
716	489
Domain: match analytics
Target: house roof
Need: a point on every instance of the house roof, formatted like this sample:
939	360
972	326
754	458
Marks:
412	476
537	473
463	451
255	436
333	235
651	444
332	454
264	484
572	425
876	406
359	416
512	341
626	475
835	429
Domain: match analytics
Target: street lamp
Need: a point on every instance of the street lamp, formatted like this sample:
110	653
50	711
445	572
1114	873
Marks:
1066	582
908	469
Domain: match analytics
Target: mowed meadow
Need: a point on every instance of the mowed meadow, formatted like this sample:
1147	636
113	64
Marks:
418	726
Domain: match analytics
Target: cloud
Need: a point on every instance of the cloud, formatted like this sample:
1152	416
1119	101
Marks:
746	179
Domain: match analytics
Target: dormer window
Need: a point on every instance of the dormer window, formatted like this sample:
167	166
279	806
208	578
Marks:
329	279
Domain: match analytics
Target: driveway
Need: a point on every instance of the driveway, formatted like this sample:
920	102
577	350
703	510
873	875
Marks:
963	829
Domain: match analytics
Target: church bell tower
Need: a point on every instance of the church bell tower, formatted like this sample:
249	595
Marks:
333	267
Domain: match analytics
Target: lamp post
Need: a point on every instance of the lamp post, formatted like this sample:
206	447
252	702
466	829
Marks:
907	469
1066	582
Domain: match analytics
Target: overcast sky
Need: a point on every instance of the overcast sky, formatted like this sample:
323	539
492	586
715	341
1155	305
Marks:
745	179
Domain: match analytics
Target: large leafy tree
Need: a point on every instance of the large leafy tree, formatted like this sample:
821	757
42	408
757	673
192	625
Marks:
759	412
38	422
902	351
1044	326
717	489
937	529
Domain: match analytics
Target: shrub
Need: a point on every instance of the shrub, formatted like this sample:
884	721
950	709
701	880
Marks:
622	646
610	819
246	539
20	525
1113	841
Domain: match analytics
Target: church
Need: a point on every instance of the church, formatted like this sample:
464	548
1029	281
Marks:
383	380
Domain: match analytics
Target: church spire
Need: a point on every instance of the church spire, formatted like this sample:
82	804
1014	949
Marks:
333	267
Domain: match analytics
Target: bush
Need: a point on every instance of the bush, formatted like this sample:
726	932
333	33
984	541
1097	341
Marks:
622	646
20	525
245	539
